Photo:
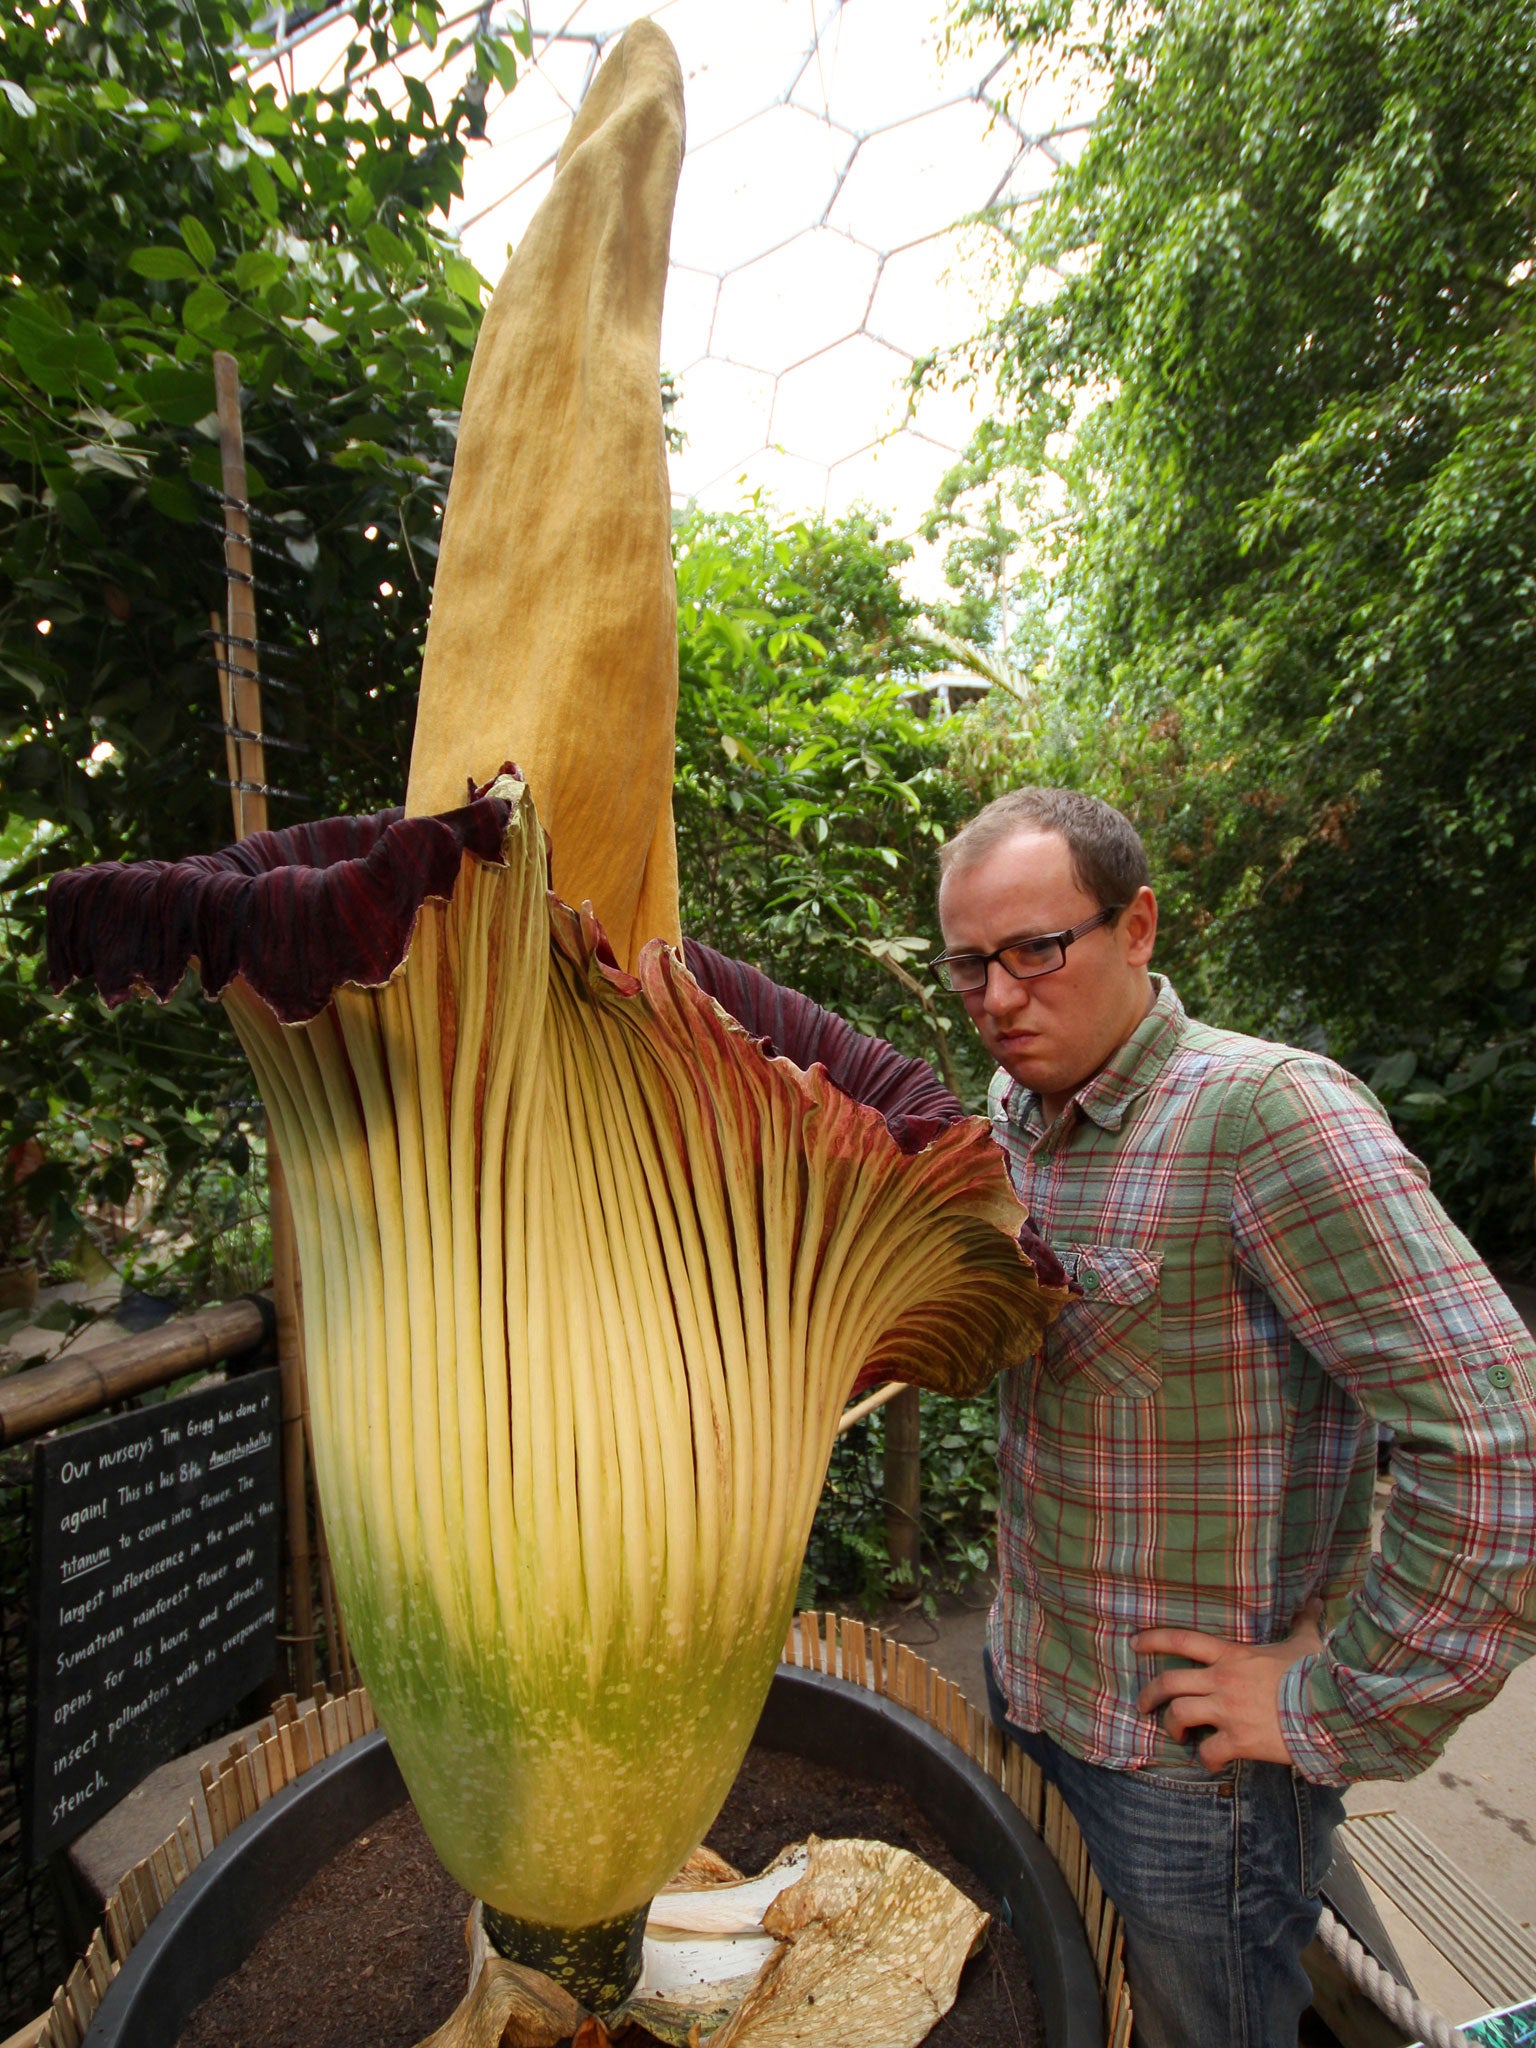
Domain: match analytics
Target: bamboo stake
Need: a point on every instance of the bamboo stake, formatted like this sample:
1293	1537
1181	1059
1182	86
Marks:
245	1779
119	1933
241	698
99	1963
241	691
213	1800
65	2031
223	654
81	1993
904	1483
83	1383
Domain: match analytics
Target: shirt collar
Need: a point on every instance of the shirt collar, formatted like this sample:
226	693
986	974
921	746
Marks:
1129	1072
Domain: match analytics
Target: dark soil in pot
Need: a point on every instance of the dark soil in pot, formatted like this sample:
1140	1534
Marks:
373	1949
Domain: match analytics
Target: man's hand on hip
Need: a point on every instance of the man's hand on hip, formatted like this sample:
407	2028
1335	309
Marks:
1232	1689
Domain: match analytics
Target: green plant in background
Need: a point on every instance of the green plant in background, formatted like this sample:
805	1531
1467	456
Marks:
846	1560
811	785
157	204
1269	434
1465	1102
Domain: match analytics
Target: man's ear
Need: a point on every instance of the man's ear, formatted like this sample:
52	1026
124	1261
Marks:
1138	927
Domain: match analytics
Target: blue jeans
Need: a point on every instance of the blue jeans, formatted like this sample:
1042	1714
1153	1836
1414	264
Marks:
1216	1880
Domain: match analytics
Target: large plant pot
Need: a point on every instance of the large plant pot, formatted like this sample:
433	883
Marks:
215	1919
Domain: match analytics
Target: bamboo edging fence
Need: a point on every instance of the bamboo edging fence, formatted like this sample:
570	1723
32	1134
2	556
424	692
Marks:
292	1742
296	1739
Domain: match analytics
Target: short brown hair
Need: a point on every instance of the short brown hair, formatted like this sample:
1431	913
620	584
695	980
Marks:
1108	858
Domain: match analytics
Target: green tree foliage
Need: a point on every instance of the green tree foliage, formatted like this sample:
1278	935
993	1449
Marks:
811	786
1271	437
157	203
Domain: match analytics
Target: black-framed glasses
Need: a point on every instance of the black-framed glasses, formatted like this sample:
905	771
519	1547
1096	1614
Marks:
1025	959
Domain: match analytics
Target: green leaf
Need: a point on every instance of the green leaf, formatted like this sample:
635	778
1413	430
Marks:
60	1316
44	349
204	311
386	249
258	267
254	141
504	59
1396	1071
180	394
1476	1071
465	280
32	684
198	240
107	460
94	355
162	263
361	455
173	496
21	103
263	189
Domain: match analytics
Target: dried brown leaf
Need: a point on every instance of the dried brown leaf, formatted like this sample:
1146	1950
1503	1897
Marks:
510	2007
874	1943
702	1869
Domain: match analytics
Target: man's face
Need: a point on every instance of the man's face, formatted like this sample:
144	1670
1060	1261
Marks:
1054	1032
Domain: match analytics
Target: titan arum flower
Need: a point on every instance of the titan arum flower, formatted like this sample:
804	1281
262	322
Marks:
592	1260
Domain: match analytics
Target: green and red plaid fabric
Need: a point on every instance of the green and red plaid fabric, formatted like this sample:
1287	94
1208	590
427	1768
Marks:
1266	1277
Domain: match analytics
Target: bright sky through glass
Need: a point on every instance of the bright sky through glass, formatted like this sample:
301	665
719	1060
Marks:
835	151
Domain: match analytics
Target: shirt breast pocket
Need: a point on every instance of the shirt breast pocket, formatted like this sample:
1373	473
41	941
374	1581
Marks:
1111	1340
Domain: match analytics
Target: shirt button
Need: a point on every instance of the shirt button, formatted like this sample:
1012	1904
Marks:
1089	1282
1500	1376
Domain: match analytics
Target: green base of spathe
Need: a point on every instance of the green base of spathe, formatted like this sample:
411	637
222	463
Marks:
599	1965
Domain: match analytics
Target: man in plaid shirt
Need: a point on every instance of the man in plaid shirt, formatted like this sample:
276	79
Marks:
1188	1463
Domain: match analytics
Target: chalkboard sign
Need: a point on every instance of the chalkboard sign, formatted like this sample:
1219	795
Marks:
153	1595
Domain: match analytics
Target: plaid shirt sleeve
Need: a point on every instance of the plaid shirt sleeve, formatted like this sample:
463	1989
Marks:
1334	1219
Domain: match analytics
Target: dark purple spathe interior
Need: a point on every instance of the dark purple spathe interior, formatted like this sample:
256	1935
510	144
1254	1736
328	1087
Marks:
904	1090
297	913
